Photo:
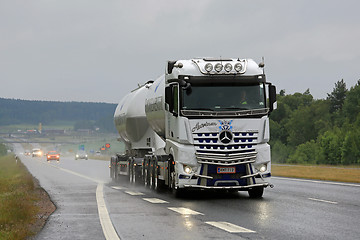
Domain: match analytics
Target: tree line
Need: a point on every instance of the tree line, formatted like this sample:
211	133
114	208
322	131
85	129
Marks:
325	131
85	114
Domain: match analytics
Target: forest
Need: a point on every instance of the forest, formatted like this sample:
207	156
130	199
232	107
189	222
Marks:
324	131
303	130
84	114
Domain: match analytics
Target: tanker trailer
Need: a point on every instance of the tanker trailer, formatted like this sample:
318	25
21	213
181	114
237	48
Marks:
202	125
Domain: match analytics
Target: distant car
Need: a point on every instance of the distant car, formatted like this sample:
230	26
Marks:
27	153
53	155
36	152
81	155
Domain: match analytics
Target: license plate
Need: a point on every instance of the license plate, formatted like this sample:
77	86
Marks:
226	170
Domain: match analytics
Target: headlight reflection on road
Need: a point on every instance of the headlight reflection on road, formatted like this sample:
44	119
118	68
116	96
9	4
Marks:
188	222
264	211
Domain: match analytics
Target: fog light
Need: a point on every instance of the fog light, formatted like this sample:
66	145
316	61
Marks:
208	67
228	67
238	67
218	67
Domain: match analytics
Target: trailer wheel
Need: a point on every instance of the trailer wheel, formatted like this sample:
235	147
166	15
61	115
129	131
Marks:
256	192
131	173
153	176
147	174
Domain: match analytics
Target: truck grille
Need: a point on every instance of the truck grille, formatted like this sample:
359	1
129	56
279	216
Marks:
210	150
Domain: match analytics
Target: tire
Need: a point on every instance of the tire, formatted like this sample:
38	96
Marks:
152	175
256	192
147	174
177	192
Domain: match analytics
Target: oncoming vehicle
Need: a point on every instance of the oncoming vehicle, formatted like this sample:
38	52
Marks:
81	155
36	152
53	155
203	125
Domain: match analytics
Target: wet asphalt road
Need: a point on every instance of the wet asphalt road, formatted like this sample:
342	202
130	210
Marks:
294	209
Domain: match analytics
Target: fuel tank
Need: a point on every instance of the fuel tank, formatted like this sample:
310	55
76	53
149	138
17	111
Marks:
140	116
155	106
130	118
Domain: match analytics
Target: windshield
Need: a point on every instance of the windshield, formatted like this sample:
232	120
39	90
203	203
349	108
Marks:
224	98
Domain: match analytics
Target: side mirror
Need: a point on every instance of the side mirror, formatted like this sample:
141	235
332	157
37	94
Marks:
272	97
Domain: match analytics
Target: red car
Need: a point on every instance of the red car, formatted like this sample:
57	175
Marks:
53	155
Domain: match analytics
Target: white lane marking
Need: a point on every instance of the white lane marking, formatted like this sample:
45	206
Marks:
229	227
321	200
118	188
155	200
185	211
134	193
322	182
106	224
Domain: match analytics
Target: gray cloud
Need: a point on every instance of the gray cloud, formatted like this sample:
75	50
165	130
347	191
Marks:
100	50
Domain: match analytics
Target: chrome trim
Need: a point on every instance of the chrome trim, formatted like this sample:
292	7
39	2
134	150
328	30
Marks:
241	113
251	175
228	187
203	176
224	158
225	164
226	181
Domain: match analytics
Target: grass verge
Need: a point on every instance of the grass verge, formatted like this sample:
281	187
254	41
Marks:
328	173
24	205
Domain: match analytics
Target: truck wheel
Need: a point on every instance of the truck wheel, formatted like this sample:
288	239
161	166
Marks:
133	177
177	192
152	176
256	192
116	176
147	174
130	172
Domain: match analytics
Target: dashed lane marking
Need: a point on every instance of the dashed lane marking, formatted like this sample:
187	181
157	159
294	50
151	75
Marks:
118	188
321	200
155	200
185	211
134	193
229	227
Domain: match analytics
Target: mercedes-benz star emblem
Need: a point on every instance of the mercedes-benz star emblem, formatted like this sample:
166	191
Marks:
225	137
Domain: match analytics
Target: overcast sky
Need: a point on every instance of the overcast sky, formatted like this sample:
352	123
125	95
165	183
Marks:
99	50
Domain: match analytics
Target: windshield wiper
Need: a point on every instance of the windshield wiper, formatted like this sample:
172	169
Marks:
199	109
234	108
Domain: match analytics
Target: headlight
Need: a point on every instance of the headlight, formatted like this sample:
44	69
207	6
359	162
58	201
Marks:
86	156
262	168
228	67
218	67
187	169
208	67
76	155
238	67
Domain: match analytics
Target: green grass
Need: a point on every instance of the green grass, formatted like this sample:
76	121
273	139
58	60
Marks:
17	200
53	125
328	173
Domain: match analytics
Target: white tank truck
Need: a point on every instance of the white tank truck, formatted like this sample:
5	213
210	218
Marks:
203	125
